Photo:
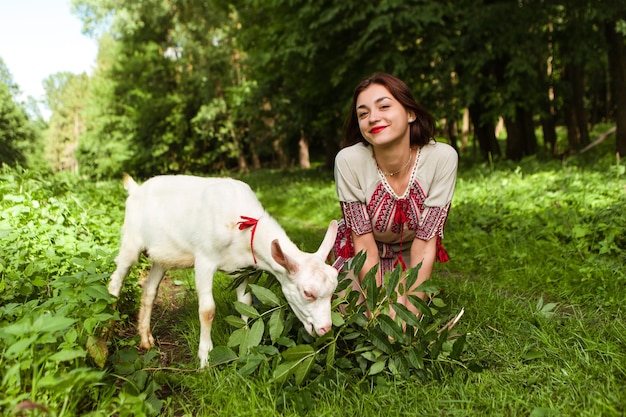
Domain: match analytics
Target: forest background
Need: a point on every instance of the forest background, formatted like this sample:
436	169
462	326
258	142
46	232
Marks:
211	86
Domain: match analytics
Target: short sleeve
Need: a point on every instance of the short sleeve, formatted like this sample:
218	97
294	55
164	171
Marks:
444	178
443	163
347	182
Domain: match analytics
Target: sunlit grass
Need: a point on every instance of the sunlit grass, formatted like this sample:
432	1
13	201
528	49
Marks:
537	259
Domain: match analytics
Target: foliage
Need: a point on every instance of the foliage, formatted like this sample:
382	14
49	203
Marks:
65	94
54	304
364	342
17	134
210	86
537	259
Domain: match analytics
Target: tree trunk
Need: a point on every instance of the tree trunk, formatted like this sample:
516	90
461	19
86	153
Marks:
254	155
330	151
303	152
280	153
548	126
452	130
521	139
576	116
465	129
241	159
617	63
485	132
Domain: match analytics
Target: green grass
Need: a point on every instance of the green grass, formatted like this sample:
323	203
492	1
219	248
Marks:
537	259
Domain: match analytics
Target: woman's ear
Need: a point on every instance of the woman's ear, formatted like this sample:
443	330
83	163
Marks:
411	116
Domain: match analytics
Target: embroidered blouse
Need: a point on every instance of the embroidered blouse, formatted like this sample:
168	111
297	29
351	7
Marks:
369	204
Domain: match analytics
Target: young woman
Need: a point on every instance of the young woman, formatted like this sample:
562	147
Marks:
394	182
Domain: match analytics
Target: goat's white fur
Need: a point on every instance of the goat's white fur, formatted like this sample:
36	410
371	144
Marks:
184	221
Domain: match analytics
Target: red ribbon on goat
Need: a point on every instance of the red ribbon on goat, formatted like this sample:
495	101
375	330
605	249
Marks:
246	223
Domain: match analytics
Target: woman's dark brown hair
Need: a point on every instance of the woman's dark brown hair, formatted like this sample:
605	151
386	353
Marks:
422	129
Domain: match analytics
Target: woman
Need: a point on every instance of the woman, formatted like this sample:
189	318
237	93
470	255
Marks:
394	182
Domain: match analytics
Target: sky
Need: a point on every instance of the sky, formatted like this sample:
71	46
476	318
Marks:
39	38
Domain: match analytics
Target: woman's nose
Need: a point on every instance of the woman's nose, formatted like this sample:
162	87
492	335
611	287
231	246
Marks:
374	117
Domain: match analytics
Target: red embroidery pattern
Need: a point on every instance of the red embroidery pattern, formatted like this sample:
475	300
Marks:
387	212
356	216
380	208
433	219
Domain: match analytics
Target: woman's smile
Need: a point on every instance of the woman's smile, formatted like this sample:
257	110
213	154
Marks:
377	129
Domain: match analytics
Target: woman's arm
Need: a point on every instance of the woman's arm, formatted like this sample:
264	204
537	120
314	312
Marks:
367	243
423	251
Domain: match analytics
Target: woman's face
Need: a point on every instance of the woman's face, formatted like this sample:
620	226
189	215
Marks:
382	119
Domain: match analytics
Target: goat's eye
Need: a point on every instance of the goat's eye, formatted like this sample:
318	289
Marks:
308	295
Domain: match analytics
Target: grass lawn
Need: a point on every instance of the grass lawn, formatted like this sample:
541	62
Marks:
537	260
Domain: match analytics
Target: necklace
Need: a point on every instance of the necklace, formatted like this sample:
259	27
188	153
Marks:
391	174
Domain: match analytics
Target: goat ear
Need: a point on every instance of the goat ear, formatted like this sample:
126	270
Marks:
328	242
282	259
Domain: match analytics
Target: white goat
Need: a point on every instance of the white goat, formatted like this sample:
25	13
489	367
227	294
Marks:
217	224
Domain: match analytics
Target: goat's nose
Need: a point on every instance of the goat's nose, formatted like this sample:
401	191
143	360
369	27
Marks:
323	330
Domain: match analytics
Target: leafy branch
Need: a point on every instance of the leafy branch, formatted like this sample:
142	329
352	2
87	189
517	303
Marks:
365	341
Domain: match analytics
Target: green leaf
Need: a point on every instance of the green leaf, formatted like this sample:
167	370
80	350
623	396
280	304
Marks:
330	354
303	369
51	324
377	367
68	355
17	329
390	327
357	262
371	289
265	295
97	350
98	292
276	325
222	354
412	276
381	341
428	287
246	310
238	337
235	321
457	348
337	319
283	370
392	280
404	314
420	305
252	363
20	346
438	302
255	335
414	357
298	352
344	283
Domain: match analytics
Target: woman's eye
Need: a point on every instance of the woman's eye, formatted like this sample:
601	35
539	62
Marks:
308	295
362	115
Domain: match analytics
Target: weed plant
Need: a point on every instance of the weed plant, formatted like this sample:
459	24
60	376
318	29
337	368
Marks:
537	260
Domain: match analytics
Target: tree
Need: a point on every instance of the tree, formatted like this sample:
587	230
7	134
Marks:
191	85
173	81
17	134
65	97
617	60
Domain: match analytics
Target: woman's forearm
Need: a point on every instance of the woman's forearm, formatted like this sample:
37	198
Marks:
425	252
